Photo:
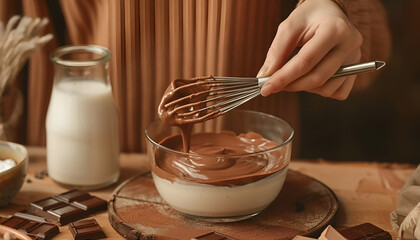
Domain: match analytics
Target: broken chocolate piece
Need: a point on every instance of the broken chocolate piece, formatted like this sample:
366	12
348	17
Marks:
365	231
86	229
40	175
37	230
213	236
67	207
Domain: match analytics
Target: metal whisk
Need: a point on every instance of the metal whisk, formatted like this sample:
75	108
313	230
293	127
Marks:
210	97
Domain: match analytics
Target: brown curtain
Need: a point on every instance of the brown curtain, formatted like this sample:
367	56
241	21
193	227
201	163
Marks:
154	42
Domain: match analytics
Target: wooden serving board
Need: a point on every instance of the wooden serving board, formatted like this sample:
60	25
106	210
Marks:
304	206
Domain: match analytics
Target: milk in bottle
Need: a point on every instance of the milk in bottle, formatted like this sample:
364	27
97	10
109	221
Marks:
82	120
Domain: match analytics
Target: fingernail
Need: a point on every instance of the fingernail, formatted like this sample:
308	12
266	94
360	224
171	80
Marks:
266	89
262	71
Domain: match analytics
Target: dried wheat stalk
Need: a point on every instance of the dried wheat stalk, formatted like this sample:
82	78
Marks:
18	39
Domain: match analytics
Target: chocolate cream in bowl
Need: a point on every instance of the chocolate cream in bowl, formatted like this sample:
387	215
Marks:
219	159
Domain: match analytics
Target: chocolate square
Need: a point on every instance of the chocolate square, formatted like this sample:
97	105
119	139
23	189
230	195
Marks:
93	204
73	195
86	229
46	204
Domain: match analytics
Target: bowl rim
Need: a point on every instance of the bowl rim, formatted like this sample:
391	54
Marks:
289	140
19	163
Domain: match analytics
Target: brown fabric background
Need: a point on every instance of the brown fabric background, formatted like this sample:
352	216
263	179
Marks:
154	42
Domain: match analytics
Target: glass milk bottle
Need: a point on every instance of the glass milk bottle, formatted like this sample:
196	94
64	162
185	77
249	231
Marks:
82	120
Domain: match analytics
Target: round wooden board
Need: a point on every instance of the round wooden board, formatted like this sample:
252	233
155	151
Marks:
305	206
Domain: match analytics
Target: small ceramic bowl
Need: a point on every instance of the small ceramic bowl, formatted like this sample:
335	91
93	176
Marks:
12	179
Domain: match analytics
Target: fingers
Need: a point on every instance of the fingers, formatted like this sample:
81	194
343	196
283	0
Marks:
344	90
317	60
337	88
283	45
325	38
308	56
318	75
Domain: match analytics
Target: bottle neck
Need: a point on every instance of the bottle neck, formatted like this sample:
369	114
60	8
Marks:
81	62
97	72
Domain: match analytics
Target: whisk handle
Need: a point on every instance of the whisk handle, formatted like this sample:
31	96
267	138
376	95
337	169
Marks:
346	70
359	68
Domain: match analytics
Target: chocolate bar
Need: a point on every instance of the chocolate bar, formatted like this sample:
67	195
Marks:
67	207
365	231
36	230
86	229
213	236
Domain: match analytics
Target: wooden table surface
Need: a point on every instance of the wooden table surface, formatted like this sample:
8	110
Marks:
367	192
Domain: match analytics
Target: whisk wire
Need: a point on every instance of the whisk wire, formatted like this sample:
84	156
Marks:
222	93
223	106
218	95
231	99
238	103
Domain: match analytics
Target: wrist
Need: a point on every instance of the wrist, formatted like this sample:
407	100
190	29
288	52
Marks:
339	3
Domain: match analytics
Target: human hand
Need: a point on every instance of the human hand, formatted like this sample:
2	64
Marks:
327	39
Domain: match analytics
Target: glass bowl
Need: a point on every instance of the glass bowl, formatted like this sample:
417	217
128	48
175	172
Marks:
232	196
